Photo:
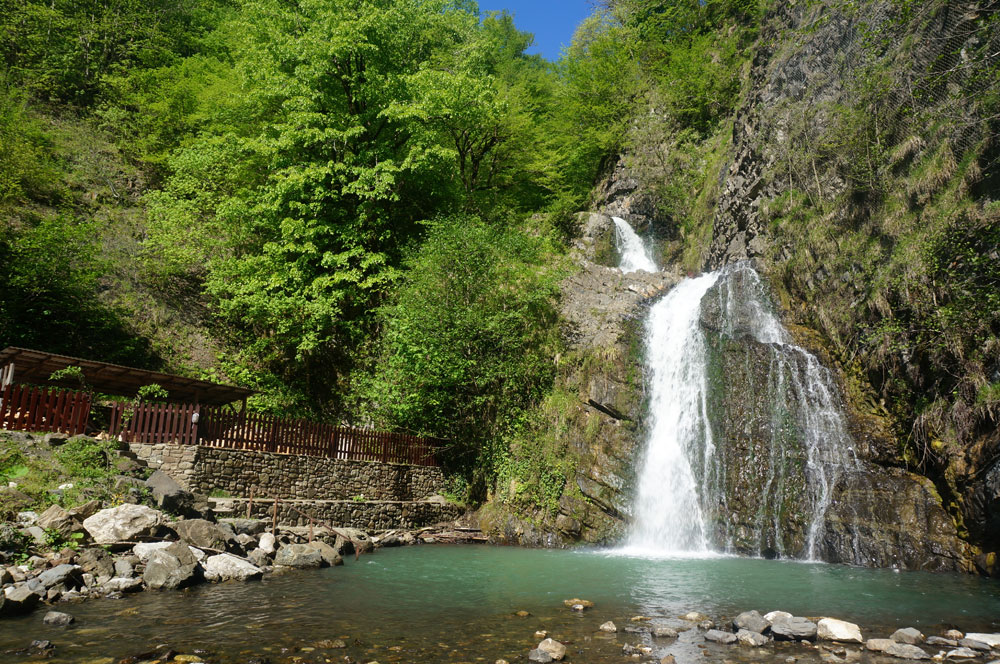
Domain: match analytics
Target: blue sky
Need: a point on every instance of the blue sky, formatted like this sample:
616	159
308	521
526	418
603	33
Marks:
551	21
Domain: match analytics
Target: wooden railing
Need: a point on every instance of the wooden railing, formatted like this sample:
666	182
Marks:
26	408
190	424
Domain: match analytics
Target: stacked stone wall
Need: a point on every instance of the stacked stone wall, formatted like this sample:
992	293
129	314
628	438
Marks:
372	516
266	475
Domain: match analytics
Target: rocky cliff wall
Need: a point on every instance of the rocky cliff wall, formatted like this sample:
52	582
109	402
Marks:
858	183
289	476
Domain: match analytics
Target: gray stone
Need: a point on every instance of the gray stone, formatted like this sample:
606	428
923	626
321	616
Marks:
908	635
121	585
776	615
941	641
225	567
267	543
204	534
906	651
124	569
96	561
19	599
327	553
57	519
123	523
992	640
144	550
37	535
961	653
65	574
751	621
706	625
552	648
608	627
298	555
172	497
718	636
539	656
832	629
793	629
252	527
750	638
259	558
172	567
878	645
664	632
28	518
974	644
57	618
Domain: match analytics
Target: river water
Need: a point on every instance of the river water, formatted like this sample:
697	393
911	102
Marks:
438	603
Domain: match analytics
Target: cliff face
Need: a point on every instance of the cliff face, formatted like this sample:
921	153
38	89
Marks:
879	247
860	178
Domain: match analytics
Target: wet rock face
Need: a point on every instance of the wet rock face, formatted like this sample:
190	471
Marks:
884	517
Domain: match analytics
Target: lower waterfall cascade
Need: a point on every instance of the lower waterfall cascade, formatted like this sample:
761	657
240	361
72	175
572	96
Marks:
684	491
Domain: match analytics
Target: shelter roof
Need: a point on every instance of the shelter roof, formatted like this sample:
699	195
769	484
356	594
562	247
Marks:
35	367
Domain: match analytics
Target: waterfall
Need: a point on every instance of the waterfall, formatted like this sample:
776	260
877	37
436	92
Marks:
685	486
634	253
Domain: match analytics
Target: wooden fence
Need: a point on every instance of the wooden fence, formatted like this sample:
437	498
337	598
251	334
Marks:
26	408
188	424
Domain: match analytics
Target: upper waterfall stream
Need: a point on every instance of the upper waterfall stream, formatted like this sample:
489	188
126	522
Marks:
688	498
635	255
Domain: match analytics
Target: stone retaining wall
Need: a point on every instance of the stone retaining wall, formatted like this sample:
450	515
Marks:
371	516
288	476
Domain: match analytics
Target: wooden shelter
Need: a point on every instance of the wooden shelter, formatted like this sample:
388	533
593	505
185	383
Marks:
22	365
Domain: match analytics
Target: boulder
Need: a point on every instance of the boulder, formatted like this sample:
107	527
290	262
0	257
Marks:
123	523
539	656
905	651
751	621
831	629
259	558
552	648
961	653
57	618
298	555
968	642
122	585
718	636
143	550
57	519
878	645
172	497
327	553
97	562
267	543
608	627
793	629
992	640
124	569
171	567
18	599
204	534
747	637
352	540
908	635
88	509
68	575
226	566
776	615
252	527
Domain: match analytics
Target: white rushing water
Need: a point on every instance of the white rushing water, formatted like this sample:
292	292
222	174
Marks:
668	508
680	506
635	255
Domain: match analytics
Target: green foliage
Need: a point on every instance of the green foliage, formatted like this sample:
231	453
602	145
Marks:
468	342
86	463
152	392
